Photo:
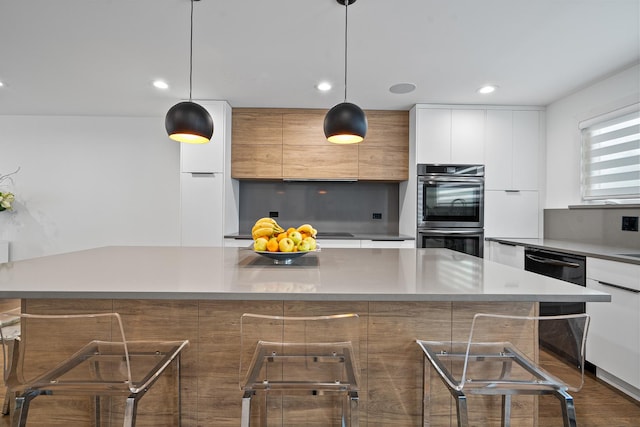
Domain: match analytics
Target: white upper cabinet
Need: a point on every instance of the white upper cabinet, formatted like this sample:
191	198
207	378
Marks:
512	150
446	135
433	135
208	158
467	136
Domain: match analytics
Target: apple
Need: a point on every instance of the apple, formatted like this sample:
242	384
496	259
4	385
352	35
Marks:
286	245
260	244
303	246
295	236
312	243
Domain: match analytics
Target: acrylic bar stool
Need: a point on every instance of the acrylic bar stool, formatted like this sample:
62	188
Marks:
10	333
301	368
501	358
95	360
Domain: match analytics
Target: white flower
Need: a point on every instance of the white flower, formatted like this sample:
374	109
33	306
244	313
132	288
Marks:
5	200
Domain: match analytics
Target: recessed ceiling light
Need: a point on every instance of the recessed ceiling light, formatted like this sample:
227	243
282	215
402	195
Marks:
160	84
1	84
487	89
323	86
402	88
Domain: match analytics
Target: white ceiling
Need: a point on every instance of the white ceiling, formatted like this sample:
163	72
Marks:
100	56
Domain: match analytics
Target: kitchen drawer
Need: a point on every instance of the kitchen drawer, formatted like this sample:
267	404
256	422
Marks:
338	243
507	254
387	243
613	343
237	243
618	273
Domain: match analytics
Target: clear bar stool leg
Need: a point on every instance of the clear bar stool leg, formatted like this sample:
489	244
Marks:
568	409
246	409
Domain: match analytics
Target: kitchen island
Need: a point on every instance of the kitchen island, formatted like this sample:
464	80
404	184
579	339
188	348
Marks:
200	293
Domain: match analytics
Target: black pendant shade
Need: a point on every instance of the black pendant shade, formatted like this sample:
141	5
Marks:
189	122
345	123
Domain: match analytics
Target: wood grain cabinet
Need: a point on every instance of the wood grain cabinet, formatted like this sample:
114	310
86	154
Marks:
290	144
384	154
256	152
308	155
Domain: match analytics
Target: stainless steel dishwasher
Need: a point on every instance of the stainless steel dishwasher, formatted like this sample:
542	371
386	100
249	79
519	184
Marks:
569	268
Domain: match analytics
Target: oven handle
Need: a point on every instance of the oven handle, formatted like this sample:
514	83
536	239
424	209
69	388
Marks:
555	262
423	178
449	232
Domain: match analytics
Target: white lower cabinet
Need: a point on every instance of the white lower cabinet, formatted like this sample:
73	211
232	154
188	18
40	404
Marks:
511	214
397	244
237	243
201	209
507	254
613	343
338	243
4	251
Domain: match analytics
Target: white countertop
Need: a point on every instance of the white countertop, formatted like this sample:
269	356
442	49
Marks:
240	274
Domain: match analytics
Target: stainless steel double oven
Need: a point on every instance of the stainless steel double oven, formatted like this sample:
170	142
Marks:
451	207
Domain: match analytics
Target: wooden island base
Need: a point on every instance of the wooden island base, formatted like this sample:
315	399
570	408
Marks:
390	360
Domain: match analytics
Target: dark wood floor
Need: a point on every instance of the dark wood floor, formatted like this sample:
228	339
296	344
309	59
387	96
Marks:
597	405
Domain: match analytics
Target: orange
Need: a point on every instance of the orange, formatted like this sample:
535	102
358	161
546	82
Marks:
281	236
290	230
304	235
272	245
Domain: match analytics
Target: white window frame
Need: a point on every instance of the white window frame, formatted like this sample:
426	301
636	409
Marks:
606	173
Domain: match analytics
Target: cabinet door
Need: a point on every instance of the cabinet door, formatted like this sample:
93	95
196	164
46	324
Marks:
511	214
467	136
526	143
613	343
256	144
201	210
508	254
433	135
511	150
306	153
384	153
381	244
4	251
337	243
498	153
207	157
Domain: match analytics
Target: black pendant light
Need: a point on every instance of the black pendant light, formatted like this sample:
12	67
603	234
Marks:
345	123
187	121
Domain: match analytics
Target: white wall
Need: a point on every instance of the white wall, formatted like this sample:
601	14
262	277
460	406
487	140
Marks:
88	182
563	135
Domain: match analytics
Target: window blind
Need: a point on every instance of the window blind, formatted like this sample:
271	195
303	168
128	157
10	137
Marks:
611	157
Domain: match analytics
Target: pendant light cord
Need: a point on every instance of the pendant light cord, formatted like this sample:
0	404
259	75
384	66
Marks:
191	53
346	26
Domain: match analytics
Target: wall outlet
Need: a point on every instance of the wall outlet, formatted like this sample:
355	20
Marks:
273	214
629	223
377	215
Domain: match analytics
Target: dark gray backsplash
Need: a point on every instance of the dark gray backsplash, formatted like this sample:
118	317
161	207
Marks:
597	226
328	206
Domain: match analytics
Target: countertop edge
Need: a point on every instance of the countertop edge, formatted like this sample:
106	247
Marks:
268	296
576	248
356	236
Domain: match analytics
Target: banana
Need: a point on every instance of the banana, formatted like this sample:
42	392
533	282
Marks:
307	228
260	232
267	222
267	219
262	225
